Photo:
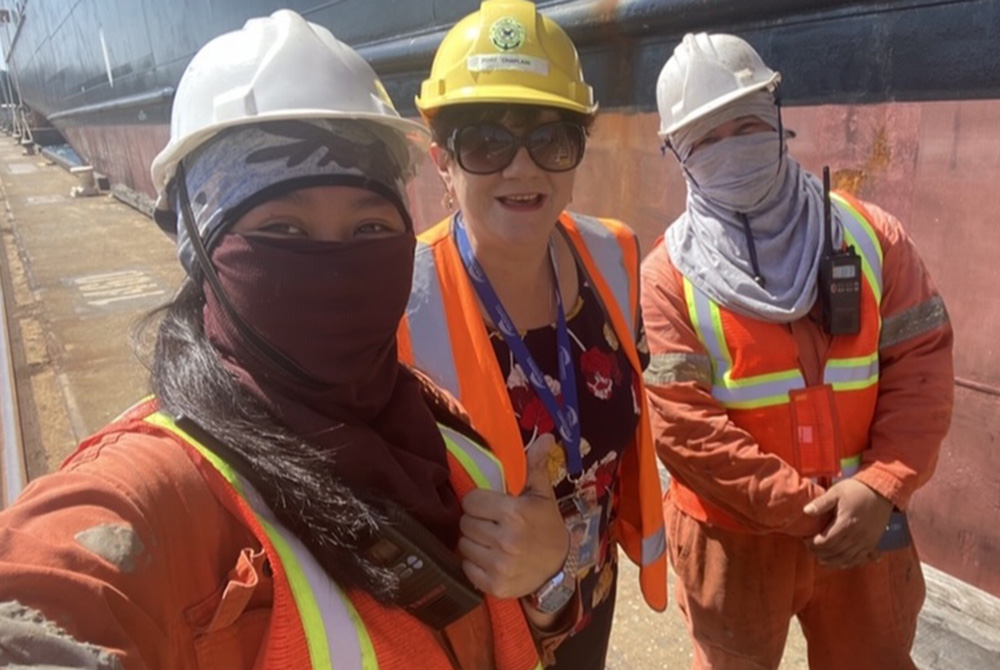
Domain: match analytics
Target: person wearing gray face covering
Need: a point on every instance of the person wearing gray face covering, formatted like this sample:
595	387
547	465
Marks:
791	444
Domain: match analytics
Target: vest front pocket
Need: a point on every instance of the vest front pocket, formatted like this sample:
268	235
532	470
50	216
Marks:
231	624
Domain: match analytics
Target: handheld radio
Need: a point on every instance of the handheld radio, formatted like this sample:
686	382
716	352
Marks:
432	586
839	278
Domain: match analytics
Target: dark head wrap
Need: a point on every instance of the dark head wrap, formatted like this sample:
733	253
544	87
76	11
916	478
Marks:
309	327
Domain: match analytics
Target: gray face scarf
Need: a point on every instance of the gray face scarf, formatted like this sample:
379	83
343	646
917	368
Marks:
750	175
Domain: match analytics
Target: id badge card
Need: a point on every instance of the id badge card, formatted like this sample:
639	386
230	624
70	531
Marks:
581	512
815	433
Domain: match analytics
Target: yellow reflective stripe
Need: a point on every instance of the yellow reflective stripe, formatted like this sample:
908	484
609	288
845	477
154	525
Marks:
692	309
473	459
720	335
760	379
851	374
165	422
869	231
744	393
368	659
325	611
305	602
477	477
747	383
855	386
761	391
853	362
697	304
314	623
866	268
871	268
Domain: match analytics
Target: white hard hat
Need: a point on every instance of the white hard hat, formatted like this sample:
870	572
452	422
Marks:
705	73
278	67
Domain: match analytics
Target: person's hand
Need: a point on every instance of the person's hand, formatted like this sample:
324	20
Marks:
860	518
512	544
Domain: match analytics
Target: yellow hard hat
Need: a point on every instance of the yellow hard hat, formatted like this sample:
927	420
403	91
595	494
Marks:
507	52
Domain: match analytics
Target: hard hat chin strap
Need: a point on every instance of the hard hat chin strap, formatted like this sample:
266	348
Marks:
258	346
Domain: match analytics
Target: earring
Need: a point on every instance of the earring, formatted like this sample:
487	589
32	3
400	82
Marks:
448	201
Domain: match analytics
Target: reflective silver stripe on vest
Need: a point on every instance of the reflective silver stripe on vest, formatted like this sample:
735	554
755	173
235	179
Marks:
432	350
602	244
482	466
759	393
859	233
664	475
343	629
678	368
918	320
654	546
745	393
703	320
847	373
330	623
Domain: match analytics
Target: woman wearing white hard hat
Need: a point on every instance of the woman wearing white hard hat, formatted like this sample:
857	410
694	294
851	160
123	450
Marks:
529	313
786	352
291	497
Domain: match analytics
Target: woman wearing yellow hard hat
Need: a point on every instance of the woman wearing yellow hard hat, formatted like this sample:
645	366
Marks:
529	315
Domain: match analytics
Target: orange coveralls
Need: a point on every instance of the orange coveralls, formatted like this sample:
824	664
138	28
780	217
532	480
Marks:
738	591
148	598
127	558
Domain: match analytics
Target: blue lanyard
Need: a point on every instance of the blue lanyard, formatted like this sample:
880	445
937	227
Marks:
564	414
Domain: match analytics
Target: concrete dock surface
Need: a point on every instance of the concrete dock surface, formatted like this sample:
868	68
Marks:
79	272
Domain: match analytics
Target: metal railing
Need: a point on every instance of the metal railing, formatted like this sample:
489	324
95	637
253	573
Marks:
11	447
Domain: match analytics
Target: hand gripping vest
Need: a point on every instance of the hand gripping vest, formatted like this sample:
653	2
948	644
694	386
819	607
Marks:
755	367
314	624
444	336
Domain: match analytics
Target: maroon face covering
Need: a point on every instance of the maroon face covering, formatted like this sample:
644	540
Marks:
333	308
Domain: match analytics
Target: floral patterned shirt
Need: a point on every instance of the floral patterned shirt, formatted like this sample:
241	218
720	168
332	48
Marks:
609	413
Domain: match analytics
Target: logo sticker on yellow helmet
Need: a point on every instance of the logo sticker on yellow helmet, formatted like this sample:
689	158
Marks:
507	34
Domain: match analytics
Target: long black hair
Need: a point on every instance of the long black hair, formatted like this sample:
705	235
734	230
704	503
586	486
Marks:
293	476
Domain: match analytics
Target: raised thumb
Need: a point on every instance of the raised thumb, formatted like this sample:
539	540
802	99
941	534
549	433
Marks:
538	480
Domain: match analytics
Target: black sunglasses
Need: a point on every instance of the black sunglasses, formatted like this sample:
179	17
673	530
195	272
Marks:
486	148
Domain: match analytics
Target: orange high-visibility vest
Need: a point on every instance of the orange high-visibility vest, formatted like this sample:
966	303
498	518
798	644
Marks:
444	335
313	623
755	366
